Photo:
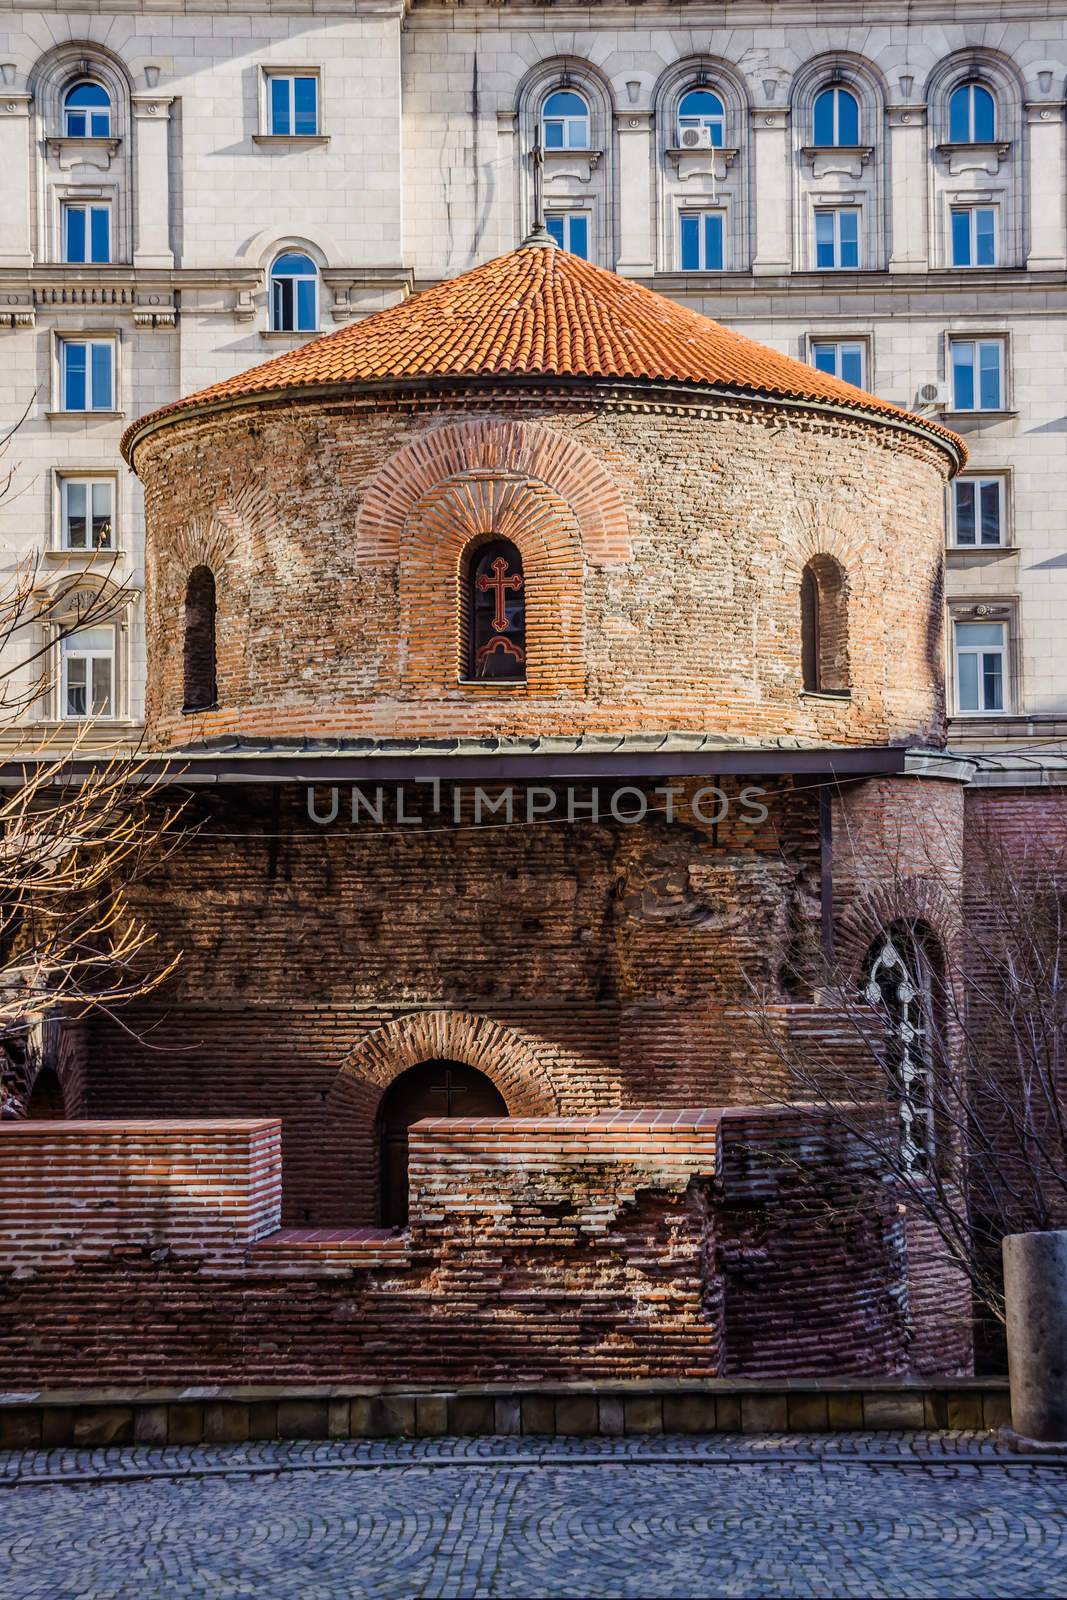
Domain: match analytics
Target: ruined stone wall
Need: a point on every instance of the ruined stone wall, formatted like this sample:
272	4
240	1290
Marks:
663	545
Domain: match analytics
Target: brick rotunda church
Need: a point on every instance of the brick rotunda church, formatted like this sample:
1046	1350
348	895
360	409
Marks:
546	666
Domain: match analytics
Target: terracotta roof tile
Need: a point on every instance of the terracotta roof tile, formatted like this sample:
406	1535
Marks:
540	311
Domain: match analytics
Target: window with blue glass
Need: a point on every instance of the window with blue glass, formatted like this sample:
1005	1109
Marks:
977	367
981	659
87	234
972	115
87	374
836	117
839	358
570	229
87	112
700	108
837	237
702	241
294	294
974	236
978	511
294	105
565	121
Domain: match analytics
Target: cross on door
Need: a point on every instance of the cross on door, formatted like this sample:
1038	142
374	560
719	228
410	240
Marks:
451	1092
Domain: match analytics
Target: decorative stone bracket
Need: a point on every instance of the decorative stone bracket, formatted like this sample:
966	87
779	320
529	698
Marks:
70	153
974	157
713	163
578	164
847	158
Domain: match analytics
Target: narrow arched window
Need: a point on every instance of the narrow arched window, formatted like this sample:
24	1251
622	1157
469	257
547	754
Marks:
972	115
836	118
824	627
701	109
497	613
200	690
900	984
294	294
565	121
87	111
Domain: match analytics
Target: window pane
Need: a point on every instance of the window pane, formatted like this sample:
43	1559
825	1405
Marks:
848	118
984	115
985	237
73	377
101	233
306	109
964	512
959	116
824	239
102	396
851	368
713	243
824	118
101	516
826	358
968	682
961	238
992	681
306	307
102	686
977	634
850	245
279	105
553	136
962	375
579	240
74	494
690	243
555	228
75	220
990	498
989	359
76	684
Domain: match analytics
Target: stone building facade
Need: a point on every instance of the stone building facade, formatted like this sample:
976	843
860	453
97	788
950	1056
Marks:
885	199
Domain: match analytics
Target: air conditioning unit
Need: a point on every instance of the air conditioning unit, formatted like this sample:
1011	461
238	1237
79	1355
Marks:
938	396
696	138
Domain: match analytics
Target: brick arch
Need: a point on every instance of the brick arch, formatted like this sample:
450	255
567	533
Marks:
439	532
505	1055
912	899
812	539
212	539
527	449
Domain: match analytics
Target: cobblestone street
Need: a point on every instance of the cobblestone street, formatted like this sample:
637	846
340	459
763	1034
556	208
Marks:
722	1515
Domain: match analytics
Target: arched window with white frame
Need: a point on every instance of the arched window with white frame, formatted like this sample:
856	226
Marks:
294	293
835	119
972	114
702	112
87	111
565	121
900	983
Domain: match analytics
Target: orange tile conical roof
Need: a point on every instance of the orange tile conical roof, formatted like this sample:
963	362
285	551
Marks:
540	312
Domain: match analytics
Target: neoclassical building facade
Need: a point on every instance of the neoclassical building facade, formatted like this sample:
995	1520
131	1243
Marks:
188	192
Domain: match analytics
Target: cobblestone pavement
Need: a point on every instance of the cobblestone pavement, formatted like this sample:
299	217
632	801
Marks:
872	1515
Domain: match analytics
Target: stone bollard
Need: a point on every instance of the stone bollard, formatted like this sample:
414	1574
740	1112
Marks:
1035	1294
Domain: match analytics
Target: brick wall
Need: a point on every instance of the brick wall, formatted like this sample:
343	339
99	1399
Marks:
676	604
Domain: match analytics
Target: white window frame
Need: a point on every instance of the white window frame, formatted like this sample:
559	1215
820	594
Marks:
714	120
64	479
702	212
567	122
1004	650
68	204
266	116
294	277
838	342
89	656
88	112
837	212
568	214
976	340
969	85
89	339
979	479
837	90
971	209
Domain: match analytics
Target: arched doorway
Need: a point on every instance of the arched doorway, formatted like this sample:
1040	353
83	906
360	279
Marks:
432	1089
46	1100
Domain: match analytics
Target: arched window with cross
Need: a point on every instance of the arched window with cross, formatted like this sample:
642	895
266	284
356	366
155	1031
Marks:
497	613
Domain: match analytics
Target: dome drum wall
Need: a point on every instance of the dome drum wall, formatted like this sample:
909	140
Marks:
663	536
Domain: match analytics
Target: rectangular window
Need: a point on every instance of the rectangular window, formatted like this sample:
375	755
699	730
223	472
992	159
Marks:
837	237
977	367
293	104
87	686
981	649
570	229
87	513
974	236
840	358
87	374
978	511
702	241
87	234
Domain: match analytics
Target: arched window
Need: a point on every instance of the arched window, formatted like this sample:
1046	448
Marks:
199	662
294	294
900	984
836	118
46	1100
565	121
87	111
824	627
700	108
972	115
432	1089
497	613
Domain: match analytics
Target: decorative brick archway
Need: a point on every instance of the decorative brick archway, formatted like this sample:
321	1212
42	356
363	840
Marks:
500	450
